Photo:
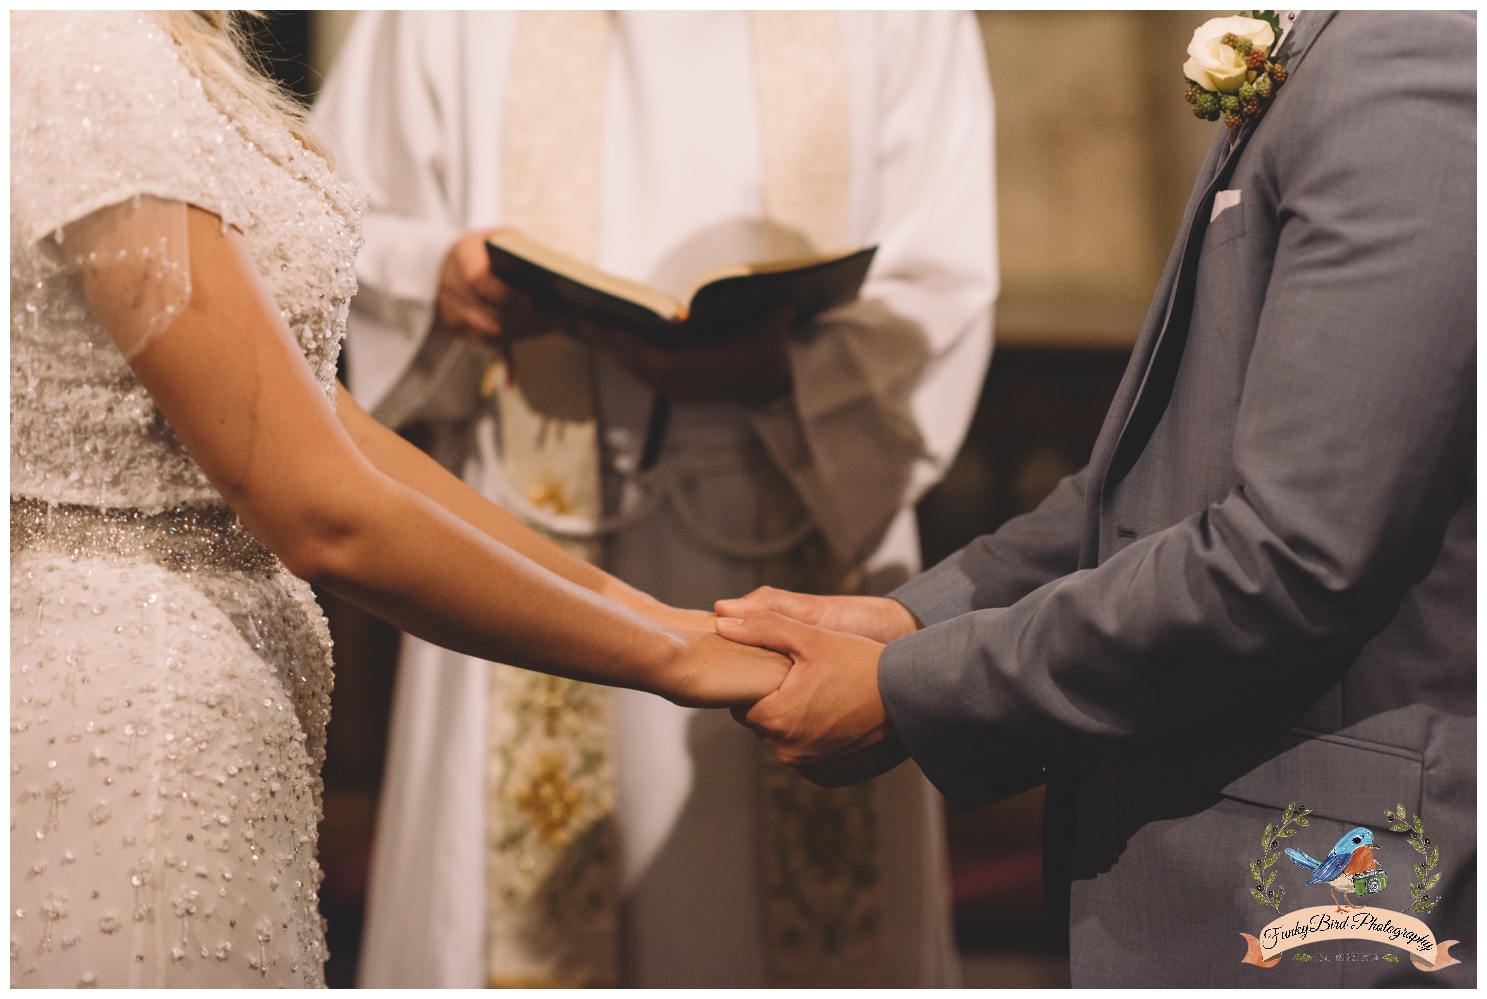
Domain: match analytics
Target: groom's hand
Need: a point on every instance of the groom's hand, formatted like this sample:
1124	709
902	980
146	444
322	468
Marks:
878	618
827	719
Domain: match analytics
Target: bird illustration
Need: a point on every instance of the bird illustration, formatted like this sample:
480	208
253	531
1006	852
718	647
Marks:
1352	855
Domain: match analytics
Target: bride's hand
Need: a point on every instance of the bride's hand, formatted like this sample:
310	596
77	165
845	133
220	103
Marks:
679	618
879	618
711	672
684	620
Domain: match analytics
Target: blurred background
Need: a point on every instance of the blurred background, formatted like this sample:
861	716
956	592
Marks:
1096	152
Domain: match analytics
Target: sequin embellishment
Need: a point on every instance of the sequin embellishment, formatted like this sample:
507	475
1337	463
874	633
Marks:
170	682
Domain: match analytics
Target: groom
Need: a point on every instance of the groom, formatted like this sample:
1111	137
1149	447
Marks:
1262	587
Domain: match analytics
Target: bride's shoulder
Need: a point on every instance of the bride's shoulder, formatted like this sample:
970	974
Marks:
102	107
48	44
67	67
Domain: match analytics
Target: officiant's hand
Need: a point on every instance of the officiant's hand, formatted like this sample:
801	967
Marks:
752	369
478	305
878	618
827	718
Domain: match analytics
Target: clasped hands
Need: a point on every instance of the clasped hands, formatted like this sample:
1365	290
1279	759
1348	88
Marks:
827	718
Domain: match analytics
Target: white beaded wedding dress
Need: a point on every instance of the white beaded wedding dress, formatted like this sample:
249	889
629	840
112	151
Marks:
170	681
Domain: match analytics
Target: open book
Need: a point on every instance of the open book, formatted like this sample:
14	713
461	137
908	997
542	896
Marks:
723	303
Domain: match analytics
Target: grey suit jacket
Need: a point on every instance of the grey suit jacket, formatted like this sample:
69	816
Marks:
1262	587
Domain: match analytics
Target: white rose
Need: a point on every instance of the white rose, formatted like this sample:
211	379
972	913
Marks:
1216	66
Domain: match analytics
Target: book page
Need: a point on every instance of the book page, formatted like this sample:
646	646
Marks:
519	243
720	249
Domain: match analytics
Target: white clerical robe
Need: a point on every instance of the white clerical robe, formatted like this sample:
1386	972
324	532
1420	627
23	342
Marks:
415	109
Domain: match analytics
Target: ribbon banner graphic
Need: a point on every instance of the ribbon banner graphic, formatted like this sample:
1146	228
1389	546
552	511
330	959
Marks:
1324	924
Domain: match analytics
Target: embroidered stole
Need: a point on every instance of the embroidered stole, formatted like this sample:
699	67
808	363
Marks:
552	858
820	853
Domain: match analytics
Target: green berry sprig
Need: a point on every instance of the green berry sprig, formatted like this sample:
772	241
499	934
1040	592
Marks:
1262	79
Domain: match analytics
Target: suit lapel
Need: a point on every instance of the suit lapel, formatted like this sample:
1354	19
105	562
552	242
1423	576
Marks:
1309	25
1154	391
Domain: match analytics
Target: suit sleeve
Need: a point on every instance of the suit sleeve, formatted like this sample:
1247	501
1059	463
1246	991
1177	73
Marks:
885	387
1354	448
997	570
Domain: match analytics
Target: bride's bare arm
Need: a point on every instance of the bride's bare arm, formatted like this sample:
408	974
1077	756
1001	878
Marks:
395	457
234	386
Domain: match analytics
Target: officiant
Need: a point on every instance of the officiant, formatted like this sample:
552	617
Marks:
536	831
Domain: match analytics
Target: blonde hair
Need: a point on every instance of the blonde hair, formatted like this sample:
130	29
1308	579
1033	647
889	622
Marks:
215	41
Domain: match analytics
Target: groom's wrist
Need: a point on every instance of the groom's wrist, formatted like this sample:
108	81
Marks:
897	620
910	620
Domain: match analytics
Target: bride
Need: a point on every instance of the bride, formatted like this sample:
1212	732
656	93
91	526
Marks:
182	462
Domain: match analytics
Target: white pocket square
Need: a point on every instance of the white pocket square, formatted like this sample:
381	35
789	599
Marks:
1223	201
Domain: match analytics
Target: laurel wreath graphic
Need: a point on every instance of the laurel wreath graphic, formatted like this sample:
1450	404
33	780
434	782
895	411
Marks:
1291	819
1420	889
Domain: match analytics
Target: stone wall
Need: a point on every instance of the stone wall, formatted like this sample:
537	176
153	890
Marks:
1096	152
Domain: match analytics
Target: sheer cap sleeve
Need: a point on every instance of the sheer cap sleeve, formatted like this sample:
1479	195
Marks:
112	136
103	110
135	266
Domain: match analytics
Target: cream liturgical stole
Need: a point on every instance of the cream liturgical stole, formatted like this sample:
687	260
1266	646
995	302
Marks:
552	860
552	857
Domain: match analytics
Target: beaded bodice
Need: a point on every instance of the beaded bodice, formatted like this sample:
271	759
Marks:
170	680
104	108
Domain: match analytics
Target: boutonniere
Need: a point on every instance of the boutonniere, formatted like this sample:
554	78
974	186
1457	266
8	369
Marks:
1229	71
